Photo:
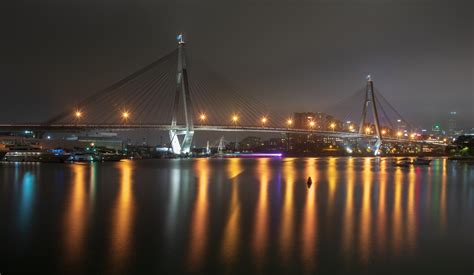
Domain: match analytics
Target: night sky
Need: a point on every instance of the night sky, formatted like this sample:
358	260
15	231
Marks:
294	55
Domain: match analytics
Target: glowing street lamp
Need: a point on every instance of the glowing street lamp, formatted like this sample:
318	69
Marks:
384	132
264	120
311	124
202	117
125	115
78	115
235	118
351	128
333	126
289	122
367	130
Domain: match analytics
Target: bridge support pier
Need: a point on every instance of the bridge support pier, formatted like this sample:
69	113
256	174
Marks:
182	90
370	100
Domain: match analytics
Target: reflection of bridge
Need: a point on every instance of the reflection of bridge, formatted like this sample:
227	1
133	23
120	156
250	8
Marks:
144	100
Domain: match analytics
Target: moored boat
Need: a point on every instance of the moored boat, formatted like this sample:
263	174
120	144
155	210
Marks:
421	161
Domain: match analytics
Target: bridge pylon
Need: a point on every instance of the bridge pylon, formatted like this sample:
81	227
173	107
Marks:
370	101
182	91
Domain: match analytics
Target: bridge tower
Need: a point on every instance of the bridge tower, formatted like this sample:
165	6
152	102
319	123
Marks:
182	90
370	101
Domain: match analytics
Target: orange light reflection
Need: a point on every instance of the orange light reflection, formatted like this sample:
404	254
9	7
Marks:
309	226
76	216
123	216
200	216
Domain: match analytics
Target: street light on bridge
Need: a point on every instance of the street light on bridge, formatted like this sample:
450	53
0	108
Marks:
77	115
367	130
289	122
333	126
125	115
202	118
235	118
311	124
264	120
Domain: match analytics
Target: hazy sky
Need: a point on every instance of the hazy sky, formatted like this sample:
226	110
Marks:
294	55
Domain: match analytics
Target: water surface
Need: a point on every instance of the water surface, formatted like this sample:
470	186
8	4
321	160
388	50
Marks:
360	215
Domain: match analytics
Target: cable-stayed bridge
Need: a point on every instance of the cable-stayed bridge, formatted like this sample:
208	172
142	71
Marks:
172	94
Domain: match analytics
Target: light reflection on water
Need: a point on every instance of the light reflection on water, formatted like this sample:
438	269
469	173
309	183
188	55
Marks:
123	214
237	215
230	241
200	216
76	217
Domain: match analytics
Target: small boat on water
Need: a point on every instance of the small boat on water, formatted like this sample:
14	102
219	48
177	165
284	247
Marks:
27	153
111	156
82	157
421	161
309	182
404	162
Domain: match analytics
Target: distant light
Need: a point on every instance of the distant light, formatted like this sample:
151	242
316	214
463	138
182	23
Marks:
289	122
264	119
235	118
48	137
202	117
384	132
399	120
125	114
399	134
92	144
333	125
180	38
78	114
311	124
349	150
367	130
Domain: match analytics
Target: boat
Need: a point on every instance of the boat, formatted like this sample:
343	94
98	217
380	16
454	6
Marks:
27	153
82	157
309	182
111	156
421	161
404	162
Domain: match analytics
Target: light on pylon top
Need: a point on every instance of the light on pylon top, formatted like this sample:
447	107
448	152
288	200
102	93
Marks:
180	39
